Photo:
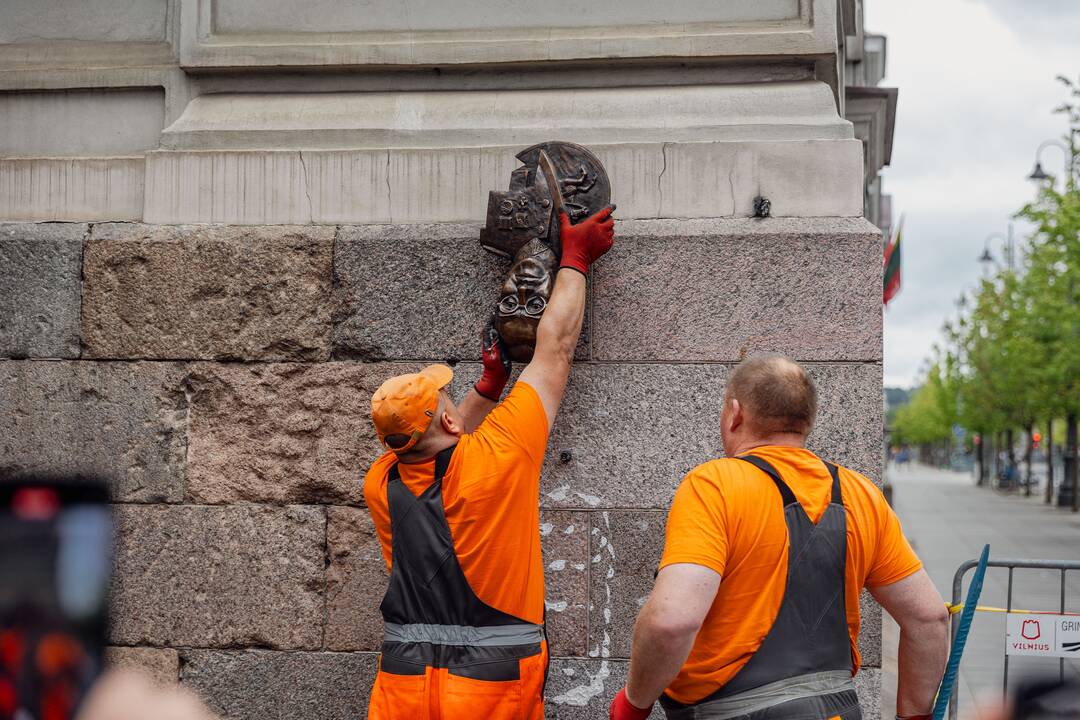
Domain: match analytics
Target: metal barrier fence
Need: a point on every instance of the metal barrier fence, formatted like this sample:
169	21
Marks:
1012	564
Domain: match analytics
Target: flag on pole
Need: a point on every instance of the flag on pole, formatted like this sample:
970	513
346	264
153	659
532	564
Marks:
892	265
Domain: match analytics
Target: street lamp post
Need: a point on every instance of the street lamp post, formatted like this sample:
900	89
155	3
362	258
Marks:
1068	492
1039	175
987	258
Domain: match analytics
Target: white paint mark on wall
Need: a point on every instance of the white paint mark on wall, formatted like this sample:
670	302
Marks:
590	500
559	494
581	695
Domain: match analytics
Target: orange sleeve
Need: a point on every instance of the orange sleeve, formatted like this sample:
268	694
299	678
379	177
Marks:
375	499
519	421
697	525
893	557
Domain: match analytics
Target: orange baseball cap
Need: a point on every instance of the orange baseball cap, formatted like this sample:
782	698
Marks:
405	404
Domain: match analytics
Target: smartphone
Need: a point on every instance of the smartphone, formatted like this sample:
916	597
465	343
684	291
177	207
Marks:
55	564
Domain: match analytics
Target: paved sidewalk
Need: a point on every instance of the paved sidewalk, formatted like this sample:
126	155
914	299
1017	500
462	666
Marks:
948	520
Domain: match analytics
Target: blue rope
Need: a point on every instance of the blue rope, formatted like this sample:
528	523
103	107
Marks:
957	650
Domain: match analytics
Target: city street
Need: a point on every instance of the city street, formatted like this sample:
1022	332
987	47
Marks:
948	520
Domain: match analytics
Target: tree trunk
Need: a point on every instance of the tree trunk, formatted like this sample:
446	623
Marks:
1027	459
1070	459
1010	460
981	459
1050	461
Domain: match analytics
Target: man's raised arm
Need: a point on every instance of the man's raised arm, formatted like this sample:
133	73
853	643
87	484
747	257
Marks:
557	334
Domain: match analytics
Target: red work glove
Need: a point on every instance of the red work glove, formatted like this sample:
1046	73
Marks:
622	709
583	243
496	364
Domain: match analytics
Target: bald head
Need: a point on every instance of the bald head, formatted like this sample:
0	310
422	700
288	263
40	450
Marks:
776	395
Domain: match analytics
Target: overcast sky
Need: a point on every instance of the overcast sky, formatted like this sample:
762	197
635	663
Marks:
977	87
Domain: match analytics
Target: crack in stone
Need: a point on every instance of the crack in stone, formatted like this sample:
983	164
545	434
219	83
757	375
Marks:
659	181
307	187
731	185
389	197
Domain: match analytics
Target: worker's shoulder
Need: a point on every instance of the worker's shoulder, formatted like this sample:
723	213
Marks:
858	482
376	475
721	473
860	493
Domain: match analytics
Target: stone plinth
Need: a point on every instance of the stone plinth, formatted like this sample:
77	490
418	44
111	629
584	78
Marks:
231	420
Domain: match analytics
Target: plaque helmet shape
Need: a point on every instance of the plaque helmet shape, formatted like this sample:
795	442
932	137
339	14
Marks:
526	211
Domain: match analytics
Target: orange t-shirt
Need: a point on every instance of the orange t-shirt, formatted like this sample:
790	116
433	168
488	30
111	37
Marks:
728	516
491	497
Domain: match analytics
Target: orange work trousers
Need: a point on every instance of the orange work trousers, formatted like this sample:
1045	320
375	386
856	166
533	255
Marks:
438	695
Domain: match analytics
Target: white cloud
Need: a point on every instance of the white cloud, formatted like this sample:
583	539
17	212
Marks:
976	81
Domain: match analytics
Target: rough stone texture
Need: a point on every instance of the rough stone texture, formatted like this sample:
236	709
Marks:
218	577
161	665
868	685
565	539
40	290
283	432
406	292
124	422
207	292
355	581
869	631
849	421
579	689
626	548
708	290
256	685
633	432
611	409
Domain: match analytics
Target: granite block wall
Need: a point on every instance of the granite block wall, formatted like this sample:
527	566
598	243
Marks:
219	377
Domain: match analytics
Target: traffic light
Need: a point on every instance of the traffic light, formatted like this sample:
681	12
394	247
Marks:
1037	438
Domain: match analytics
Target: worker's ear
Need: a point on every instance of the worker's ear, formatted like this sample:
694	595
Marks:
450	424
735	415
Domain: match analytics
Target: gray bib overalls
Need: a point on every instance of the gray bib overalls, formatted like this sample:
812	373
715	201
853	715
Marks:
802	671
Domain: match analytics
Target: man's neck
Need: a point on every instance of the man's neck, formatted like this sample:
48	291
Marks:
428	451
778	440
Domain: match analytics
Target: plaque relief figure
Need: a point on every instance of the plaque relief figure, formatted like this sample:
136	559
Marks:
523	224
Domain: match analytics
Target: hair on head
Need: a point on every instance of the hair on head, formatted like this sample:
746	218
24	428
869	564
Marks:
776	394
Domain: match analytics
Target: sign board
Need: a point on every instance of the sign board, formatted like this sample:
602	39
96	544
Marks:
1043	635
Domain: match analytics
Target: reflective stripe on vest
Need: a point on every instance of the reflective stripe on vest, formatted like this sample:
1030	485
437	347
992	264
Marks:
464	635
767	696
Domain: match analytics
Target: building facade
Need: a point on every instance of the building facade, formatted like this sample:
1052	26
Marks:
225	222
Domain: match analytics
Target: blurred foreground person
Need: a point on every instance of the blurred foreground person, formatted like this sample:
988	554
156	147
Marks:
755	611
1037	700
129	695
455	502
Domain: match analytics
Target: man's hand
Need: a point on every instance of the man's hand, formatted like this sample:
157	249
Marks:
583	243
623	709
496	364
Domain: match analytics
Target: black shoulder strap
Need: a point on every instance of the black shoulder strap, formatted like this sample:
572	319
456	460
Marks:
837	498
785	492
